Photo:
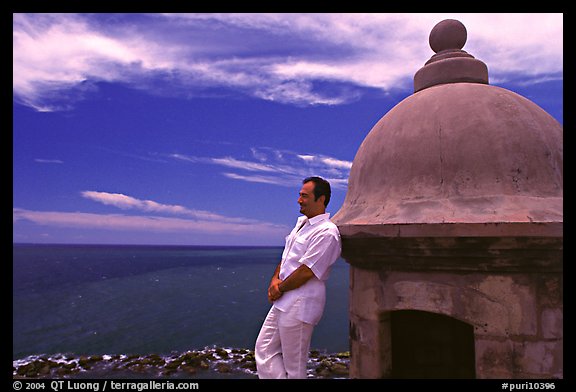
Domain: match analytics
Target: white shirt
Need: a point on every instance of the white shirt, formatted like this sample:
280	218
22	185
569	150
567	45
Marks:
317	245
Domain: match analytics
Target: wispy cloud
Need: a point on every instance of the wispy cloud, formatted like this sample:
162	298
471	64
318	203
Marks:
40	160
126	202
319	160
149	223
245	165
180	219
263	179
288	58
278	167
186	220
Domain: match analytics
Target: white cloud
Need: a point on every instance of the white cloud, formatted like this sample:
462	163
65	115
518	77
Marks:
244	165
279	57
128	202
83	220
281	167
40	160
263	179
328	161
186	220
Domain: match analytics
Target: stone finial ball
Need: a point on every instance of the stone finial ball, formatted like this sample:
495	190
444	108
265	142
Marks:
448	34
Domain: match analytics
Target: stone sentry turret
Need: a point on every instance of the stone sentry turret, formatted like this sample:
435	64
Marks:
452	225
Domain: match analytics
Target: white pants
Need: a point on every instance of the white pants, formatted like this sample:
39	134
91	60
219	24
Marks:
282	346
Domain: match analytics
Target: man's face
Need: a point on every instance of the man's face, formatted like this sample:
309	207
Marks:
309	206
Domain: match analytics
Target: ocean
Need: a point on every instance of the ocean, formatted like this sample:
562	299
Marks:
121	300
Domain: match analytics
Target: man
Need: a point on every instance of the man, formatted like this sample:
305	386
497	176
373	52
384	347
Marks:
297	290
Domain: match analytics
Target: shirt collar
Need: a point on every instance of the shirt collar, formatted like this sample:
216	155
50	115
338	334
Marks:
319	218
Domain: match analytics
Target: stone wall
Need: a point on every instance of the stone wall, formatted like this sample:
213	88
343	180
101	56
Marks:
516	318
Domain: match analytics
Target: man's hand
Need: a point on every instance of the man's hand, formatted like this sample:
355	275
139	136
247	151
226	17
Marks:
296	279
273	290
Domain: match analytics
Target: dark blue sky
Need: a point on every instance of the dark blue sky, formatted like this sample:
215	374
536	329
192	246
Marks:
198	129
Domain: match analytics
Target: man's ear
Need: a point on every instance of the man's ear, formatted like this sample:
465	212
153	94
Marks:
322	199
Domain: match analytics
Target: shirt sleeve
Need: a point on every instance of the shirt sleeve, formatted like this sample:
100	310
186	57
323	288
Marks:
323	250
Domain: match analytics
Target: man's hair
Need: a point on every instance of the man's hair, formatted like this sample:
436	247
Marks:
321	187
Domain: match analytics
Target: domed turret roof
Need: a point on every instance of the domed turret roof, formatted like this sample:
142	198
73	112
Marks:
457	151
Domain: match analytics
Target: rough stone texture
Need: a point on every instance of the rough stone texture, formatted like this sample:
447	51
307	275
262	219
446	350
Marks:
458	153
515	334
552	323
455	207
465	68
448	34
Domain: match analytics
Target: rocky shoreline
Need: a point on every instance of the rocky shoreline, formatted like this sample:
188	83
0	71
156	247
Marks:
215	362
